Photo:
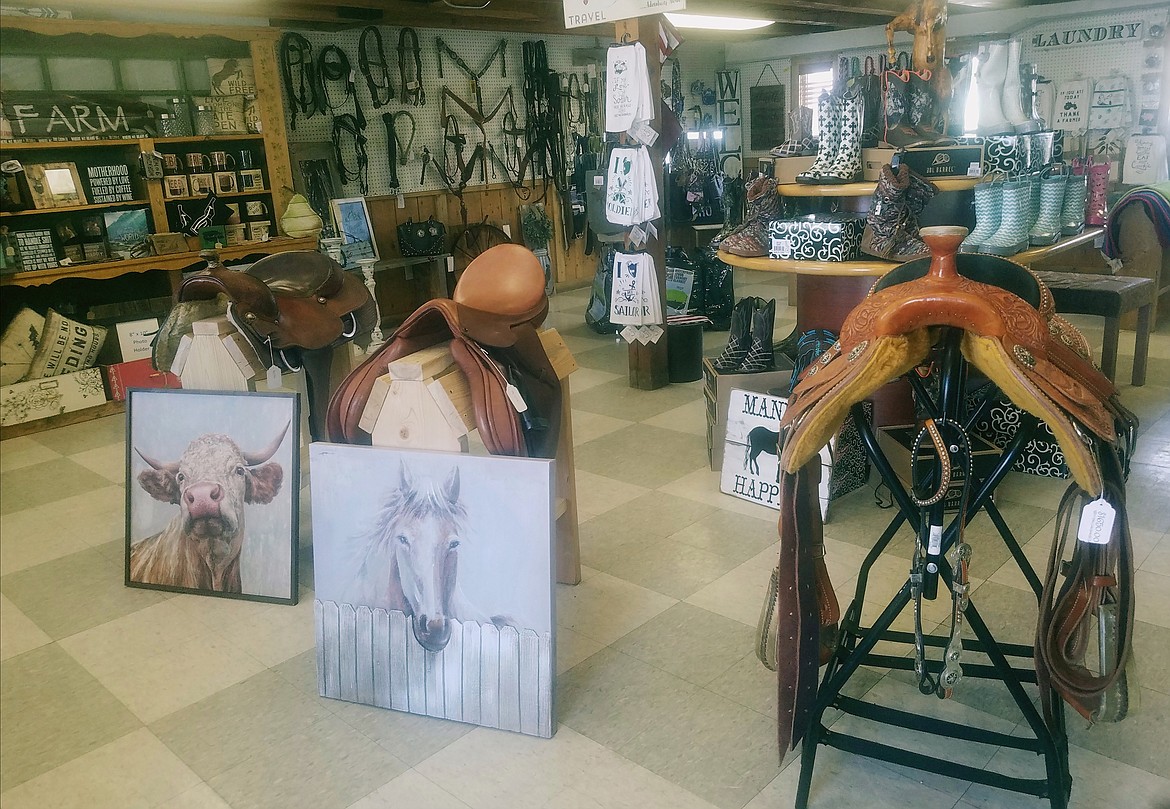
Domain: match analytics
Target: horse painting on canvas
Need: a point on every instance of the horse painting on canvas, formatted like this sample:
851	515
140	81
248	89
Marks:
410	559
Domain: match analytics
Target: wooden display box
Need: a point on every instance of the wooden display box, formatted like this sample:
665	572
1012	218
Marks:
717	389
872	161
785	169
52	396
895	442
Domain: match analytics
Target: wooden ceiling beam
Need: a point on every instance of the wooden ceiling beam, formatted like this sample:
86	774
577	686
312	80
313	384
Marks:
803	16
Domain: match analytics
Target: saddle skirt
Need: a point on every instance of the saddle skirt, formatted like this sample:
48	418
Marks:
1010	332
491	321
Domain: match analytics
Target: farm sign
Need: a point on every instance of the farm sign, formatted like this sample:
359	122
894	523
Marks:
36	116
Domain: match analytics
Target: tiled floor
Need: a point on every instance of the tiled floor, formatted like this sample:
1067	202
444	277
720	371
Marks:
120	698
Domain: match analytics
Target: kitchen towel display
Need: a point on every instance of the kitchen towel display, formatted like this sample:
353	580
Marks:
631	192
628	99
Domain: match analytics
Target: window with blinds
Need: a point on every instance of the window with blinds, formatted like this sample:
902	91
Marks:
812	80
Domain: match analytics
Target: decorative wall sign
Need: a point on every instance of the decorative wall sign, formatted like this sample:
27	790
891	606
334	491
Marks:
229	113
1062	37
36	249
353	224
579	13
767	116
93	116
109	184
128	233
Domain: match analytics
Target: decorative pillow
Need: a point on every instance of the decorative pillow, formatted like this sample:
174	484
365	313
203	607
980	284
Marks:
229	113
66	346
19	344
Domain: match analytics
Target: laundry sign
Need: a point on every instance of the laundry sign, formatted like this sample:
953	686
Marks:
76	117
1061	37
579	13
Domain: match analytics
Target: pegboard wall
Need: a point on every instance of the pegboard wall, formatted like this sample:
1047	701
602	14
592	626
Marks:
752	74
474	47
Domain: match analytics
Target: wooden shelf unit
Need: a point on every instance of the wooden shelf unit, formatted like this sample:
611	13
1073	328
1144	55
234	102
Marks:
865	189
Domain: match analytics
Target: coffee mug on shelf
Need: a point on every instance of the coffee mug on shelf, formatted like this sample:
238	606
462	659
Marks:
172	164
235	234
175	186
259	231
254	209
222	161
225	182
201	184
251	180
247	159
197	161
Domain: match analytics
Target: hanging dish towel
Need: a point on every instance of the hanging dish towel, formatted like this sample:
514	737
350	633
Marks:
631	191
1112	104
627	88
1072	102
635	300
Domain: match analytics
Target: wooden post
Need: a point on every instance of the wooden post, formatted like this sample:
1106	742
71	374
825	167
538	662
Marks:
648	369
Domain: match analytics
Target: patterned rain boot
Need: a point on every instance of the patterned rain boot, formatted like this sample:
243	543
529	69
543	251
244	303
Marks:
1046	229
1072	213
1011	236
759	356
988	197
763	205
1096	208
887	212
730	360
829	115
846	165
1034	183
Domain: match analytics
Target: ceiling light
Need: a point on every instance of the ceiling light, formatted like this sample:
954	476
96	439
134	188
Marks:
716	23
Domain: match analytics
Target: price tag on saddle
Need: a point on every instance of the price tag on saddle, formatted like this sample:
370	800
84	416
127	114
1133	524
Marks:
273	379
1096	523
515	398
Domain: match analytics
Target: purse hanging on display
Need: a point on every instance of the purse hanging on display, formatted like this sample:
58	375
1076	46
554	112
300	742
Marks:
422	238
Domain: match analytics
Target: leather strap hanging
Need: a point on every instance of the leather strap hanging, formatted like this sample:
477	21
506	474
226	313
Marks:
410	69
374	67
347	124
333	65
303	89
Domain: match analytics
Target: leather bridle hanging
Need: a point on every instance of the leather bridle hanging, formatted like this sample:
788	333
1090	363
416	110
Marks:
333	65
409	56
475	75
347	124
381	90
303	91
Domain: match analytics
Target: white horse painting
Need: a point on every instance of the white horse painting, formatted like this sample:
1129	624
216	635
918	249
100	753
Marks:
409	559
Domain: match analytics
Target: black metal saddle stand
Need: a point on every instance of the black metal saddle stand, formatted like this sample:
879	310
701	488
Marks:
856	643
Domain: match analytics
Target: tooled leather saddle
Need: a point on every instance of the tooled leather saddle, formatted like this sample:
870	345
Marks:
293	308
491	321
1009	332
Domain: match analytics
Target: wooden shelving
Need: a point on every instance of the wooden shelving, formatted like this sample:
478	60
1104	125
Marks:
222	195
865	189
38	145
206	138
873	266
96	206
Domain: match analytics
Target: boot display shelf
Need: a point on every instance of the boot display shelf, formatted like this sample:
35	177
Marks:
865	189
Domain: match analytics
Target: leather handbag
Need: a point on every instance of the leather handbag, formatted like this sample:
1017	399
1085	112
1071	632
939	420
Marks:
427	238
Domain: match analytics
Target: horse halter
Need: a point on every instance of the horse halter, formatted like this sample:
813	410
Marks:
381	90
348	124
410	69
299	74
333	65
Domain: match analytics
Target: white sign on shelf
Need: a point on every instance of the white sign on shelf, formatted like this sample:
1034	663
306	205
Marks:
579	13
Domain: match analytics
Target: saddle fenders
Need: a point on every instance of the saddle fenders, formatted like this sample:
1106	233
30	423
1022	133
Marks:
491	321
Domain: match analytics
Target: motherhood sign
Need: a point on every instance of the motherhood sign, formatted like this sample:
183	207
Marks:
579	13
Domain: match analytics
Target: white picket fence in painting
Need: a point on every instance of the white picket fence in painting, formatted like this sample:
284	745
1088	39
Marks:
495	677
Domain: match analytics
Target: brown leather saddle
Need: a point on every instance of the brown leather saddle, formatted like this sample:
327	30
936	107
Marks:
491	321
294	308
1009	332
297	299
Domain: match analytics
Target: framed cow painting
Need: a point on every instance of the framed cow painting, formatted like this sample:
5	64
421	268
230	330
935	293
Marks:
212	493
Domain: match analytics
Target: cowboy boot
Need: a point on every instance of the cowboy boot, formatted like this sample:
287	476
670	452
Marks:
1011	236
899	131
759	356
1098	182
923	108
1046	229
759	191
1013	93
989	81
1072	213
919	192
739	340
886	212
988	199
829	115
846	165
751	239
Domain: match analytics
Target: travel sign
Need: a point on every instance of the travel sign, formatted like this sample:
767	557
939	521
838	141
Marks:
579	13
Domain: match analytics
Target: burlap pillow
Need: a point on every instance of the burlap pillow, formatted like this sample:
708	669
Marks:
229	113
19	344
66	346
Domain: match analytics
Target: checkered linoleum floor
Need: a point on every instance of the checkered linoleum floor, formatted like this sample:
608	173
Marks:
119	698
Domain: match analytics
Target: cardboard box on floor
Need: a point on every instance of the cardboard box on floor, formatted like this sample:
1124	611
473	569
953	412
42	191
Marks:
717	389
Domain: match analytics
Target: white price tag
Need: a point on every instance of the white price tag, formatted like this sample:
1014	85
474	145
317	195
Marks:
653	333
273	378
599	180
401	201
781	248
653	231
934	544
630	334
637	236
1096	523
643	133
974	170
643	335
516	399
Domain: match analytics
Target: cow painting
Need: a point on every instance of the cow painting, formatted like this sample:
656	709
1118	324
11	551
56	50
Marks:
200	547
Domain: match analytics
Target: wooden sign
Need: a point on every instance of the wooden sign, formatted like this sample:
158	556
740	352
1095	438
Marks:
1060	37
109	184
34	116
36	249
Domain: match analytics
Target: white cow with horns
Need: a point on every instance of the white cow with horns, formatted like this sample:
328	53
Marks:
200	547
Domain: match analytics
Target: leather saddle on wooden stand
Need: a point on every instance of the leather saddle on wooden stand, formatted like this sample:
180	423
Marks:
1008	330
491	321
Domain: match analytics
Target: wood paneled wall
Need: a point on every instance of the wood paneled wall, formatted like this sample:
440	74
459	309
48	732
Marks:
498	204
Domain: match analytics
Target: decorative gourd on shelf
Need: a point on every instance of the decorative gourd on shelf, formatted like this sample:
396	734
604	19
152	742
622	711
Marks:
300	219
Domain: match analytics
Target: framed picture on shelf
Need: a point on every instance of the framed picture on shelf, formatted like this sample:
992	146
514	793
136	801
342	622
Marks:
214	469
430	569
54	185
352	220
91	227
128	233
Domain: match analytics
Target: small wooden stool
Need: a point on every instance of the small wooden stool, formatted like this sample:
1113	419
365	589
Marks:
1110	297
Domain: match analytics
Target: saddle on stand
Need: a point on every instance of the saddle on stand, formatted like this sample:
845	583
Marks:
491	321
1002	319
294	308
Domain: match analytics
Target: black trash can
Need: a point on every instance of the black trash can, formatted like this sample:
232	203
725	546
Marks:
684	351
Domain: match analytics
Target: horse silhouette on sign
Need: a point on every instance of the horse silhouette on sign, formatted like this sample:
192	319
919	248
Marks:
761	439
